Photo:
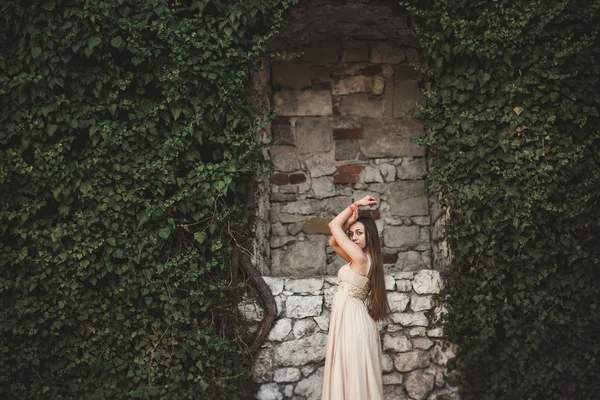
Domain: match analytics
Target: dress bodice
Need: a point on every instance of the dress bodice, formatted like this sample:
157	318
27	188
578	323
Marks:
353	283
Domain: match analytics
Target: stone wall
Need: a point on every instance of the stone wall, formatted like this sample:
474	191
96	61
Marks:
344	125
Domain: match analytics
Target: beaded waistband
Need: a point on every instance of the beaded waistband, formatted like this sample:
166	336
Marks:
352	290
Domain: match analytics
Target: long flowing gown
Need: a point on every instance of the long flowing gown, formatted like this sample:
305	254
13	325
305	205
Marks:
353	363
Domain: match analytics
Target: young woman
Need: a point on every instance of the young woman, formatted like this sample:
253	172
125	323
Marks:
353	359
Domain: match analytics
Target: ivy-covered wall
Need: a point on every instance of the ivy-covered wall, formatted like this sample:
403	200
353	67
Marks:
127	138
515	142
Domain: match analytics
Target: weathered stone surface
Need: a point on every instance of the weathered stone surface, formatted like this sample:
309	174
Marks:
390	283
435	333
300	259
370	175
320	164
285	158
323	322
397	343
328	295
442	353
269	391
262	370
406	71
412	261
313	135
323	187
281	329
326	54
303	103
398	301
287	375
320	72
421	303
445	394
307	369
423	221
300	352
427	281
406	96
378	85
386	53
401	236
412	168
394	392
280	241
312	386
353	84
350	69
291	76
390	138
275	284
346	150
316	226
304	327
410	319
355	52
388	172
303	306
405	362
288	391
418	384
283	135
307	285
422	343
416	331
407	198
362	105
387	363
403	285
395	378
302	207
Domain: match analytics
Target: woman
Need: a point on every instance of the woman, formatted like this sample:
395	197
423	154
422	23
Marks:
353	358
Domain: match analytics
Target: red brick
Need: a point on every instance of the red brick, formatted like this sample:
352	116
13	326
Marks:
297	178
347	133
345	178
281	121
279	179
370	70
390	258
350	169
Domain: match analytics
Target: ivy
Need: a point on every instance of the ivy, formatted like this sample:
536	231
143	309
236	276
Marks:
127	137
513	113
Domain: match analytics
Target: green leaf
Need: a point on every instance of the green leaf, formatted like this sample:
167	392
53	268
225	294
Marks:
164	233
116	42
35	52
48	5
200	237
94	42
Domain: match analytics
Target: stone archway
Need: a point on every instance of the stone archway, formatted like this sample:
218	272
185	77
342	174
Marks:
342	130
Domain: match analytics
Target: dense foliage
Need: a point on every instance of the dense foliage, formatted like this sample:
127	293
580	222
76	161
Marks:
514	117
127	136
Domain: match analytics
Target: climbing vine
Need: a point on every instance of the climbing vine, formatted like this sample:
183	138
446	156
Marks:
513	116
127	135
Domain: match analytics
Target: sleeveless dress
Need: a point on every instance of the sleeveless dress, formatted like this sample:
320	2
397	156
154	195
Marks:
353	369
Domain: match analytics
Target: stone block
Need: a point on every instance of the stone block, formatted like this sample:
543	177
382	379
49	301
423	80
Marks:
397	343
394	392
327	54
391	138
422	343
304	327
412	168
388	172
303	103
395	378
297	353
388	102
275	284
280	330
313	135
404	285
421	303
361	104
269	391
300	259
355	52
287	375
405	362
427	281
350	69
387	363
419	384
347	133
285	158
320	72
371	175
283	135
378	85
307	285
390	282
398	301
401	236
323	187
311	387
347	150
280	241
262	370
302	207
386	53
291	76
407	198
410	319
279	179
358	84
390	258
412	261
320	164
303	306
406	96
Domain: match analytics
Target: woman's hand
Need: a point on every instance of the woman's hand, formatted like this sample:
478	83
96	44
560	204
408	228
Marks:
352	219
367	201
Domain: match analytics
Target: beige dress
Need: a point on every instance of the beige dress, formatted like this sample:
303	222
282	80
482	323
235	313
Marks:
353	359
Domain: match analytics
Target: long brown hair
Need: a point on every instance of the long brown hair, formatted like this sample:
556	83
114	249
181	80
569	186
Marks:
378	305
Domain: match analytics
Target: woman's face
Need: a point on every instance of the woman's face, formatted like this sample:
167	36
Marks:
356	233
